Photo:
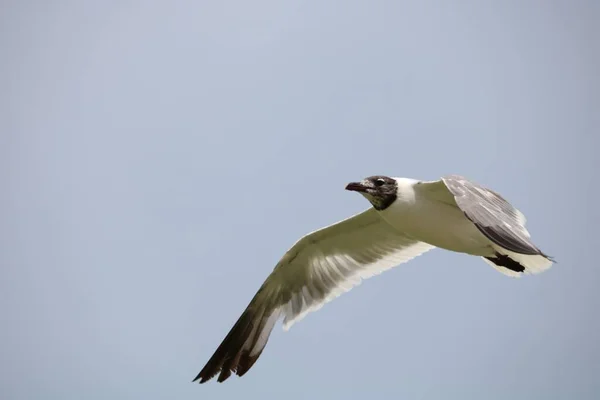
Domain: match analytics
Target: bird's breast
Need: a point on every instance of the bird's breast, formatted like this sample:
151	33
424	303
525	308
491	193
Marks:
439	224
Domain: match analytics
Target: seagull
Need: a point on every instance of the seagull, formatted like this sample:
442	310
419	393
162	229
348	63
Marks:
407	218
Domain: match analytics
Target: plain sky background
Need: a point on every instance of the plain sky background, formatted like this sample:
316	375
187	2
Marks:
158	158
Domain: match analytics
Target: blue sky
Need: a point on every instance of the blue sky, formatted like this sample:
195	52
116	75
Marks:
158	158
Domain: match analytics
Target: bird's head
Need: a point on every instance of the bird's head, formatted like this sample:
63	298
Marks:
380	190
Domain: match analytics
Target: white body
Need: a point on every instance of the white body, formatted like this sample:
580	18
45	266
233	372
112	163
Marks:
425	218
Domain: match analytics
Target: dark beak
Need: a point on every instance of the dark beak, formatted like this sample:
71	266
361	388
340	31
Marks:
356	187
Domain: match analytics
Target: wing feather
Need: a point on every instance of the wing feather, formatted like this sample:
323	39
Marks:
316	269
491	213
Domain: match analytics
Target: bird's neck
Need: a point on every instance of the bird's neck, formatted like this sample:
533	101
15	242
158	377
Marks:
405	192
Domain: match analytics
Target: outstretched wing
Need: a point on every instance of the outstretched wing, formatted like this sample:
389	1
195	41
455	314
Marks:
319	267
494	216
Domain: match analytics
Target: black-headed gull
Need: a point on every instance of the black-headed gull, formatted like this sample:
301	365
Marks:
408	217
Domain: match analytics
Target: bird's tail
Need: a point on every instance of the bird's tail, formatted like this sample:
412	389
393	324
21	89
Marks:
516	264
245	342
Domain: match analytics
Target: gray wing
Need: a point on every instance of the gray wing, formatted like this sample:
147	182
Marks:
495	217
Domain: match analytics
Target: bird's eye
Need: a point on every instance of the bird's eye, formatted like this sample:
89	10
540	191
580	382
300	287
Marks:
379	182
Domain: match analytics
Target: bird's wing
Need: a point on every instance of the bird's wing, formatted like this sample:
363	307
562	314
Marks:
316	269
495	217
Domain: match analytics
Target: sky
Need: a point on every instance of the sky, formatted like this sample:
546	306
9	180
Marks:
158	158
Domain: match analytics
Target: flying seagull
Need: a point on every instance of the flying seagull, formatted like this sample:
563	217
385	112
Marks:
408	217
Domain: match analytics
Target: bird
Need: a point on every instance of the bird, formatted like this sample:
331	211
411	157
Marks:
406	218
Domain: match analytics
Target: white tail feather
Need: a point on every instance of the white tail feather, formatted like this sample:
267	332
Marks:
533	264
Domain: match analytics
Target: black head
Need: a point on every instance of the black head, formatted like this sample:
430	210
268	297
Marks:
379	190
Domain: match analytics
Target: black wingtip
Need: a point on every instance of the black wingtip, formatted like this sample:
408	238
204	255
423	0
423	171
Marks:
549	258
226	368
201	379
240	349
